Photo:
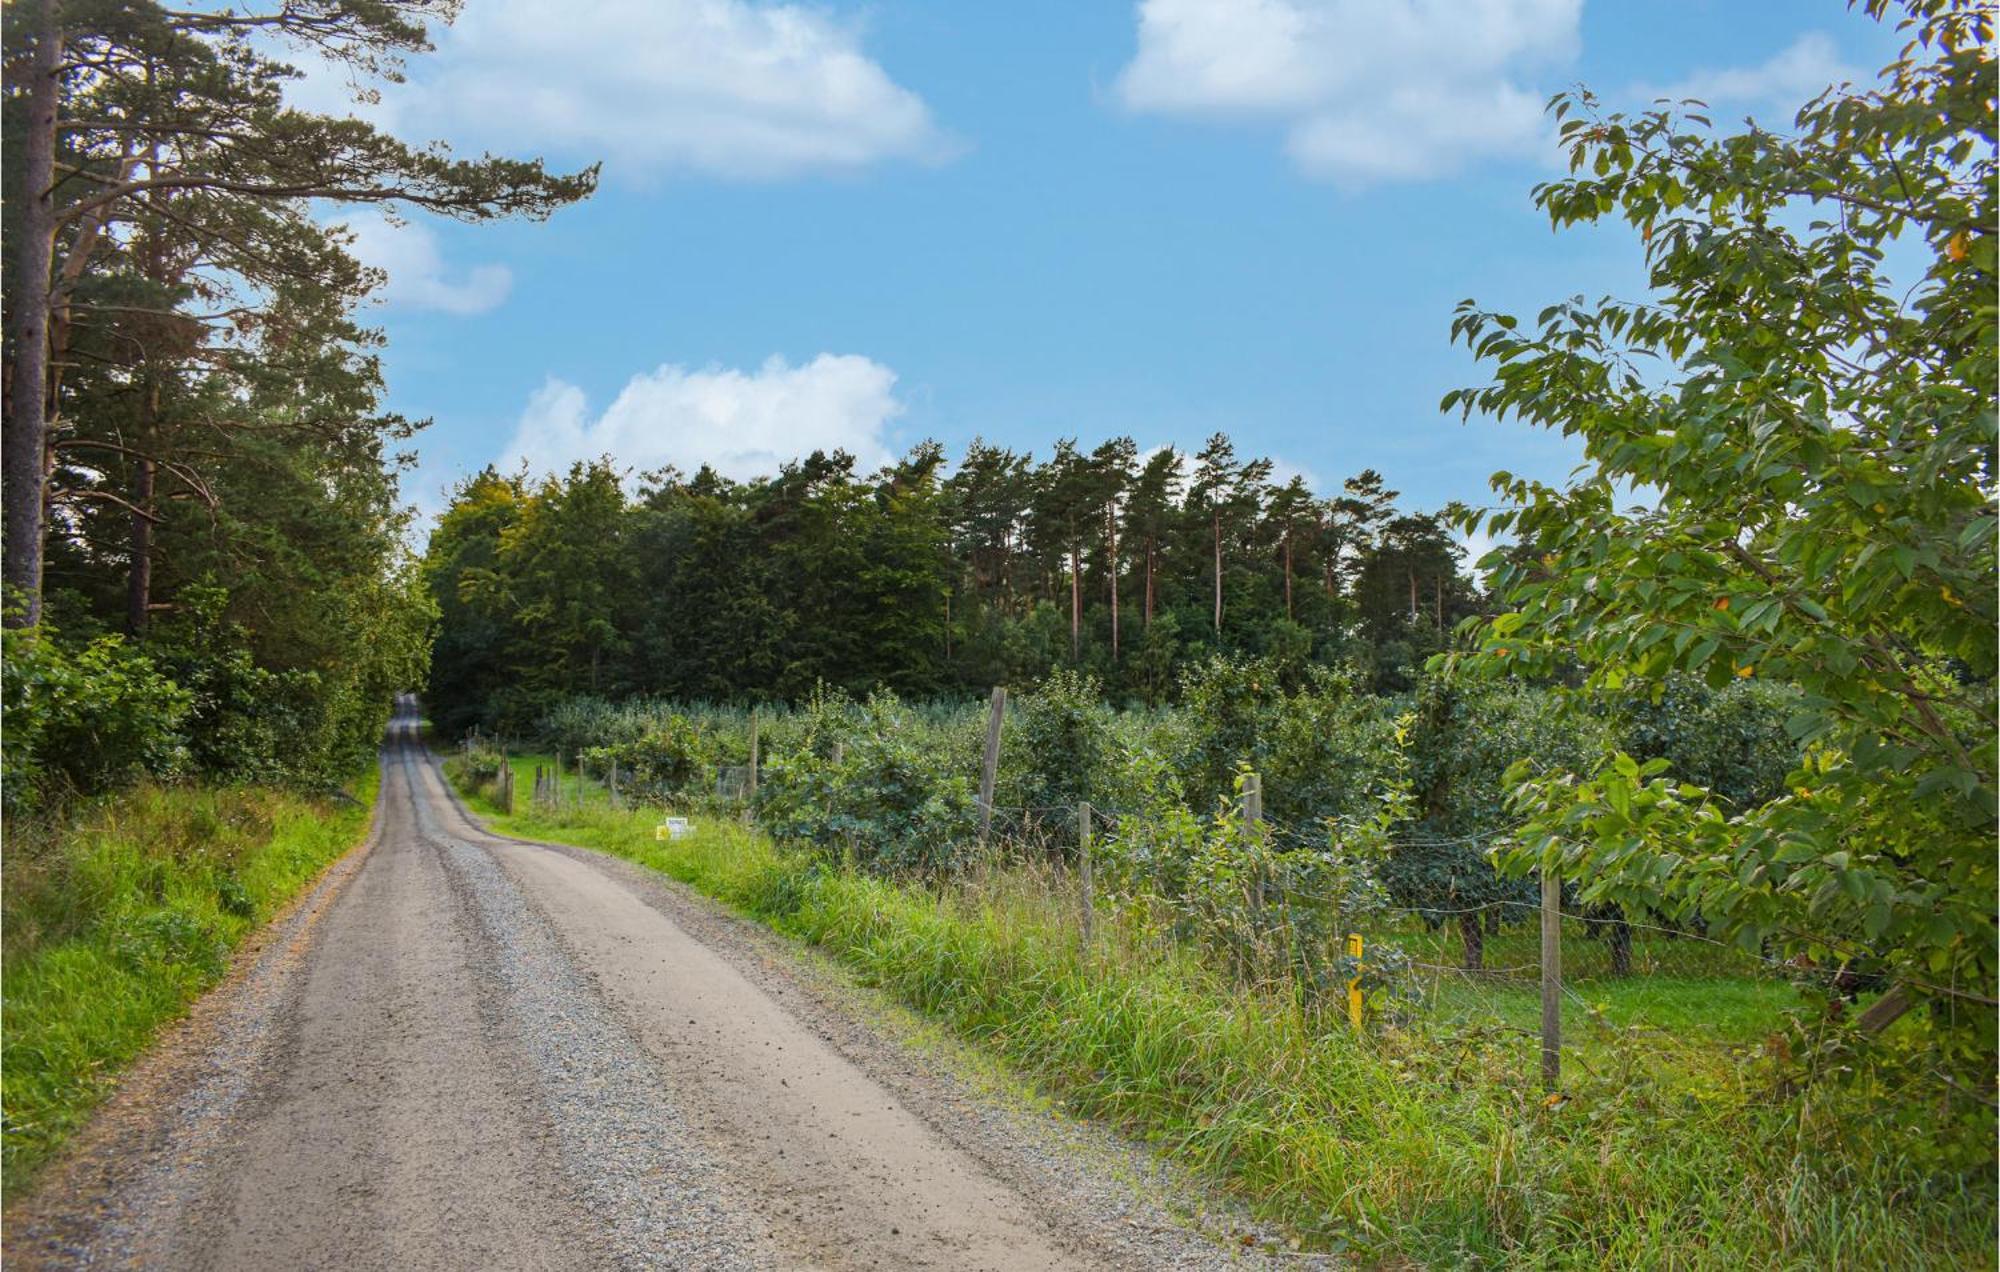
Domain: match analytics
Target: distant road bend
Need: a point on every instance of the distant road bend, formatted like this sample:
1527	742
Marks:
463	1051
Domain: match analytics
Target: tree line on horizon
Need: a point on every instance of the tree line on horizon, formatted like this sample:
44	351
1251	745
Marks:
925	578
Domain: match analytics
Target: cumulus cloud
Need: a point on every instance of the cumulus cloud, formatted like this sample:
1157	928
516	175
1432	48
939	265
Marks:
1367	90
418	275
743	424
1787	80
724	88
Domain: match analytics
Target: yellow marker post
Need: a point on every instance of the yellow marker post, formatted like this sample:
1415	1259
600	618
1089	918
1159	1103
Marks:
1354	985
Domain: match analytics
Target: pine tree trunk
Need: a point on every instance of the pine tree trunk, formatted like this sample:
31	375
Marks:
25	462
1150	549
1075	605
1288	576
1217	521
1111	561
139	580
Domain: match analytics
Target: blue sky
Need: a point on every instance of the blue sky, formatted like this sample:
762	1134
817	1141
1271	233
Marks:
866	225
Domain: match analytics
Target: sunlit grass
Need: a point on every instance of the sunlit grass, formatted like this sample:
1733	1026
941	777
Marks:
118	920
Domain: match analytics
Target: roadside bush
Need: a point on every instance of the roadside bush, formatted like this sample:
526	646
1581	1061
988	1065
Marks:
85	720
668	759
479	767
1274	908
1059	742
888	803
1320	747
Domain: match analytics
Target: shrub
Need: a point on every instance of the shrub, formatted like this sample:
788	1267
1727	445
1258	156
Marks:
668	759
888	803
1462	741
87	719
1730	741
1059	746
1320	748
1275	907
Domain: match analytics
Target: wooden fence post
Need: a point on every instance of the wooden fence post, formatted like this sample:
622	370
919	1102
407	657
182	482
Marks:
750	782
1354	948
1551	979
506	783
1253	825
1083	870
989	766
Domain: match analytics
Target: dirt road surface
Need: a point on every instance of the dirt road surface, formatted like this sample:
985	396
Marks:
465	1051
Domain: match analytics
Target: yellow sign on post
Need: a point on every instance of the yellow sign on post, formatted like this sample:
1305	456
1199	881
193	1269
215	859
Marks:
1354	985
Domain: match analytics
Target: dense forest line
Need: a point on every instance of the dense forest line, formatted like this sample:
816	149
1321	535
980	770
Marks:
928	578
205	565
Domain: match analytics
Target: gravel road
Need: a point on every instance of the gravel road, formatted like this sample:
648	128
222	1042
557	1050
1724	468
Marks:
465	1051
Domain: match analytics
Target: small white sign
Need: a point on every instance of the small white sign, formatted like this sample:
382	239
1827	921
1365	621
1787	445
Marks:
673	828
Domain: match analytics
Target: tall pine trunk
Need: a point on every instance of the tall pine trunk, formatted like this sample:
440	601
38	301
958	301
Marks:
139	579
1151	550
1288	576
1111	561
1075	604
24	468
1216	521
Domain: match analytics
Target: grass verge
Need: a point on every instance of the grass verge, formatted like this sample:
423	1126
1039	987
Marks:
1416	1145
120	918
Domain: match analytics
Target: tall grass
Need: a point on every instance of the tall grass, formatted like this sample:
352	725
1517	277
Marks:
117	919
1411	1145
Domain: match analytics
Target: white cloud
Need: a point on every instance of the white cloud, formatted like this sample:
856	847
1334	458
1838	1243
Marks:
727	88
743	424
1369	90
418	277
1788	80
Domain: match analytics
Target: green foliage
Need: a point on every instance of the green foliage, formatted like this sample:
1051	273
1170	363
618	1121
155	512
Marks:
1730	741
1058	748
117	920
1821	451
1463	741
859	787
1272	906
84	720
670	760
1320	747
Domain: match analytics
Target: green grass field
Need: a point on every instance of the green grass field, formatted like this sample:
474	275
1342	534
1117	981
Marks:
1427	1142
115	923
